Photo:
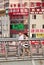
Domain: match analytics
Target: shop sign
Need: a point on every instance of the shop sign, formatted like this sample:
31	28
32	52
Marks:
39	35
25	11
35	8
37	30
19	26
37	4
18	11
32	4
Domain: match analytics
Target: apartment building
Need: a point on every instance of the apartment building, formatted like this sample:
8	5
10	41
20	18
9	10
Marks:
35	15
37	20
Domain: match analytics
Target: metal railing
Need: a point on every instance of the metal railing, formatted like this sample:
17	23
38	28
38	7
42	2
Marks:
24	49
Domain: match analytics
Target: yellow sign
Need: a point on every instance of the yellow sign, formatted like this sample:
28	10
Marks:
39	35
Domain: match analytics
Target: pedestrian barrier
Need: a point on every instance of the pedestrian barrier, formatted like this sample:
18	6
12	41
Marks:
24	49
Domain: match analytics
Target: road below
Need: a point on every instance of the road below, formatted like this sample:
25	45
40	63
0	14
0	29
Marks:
33	62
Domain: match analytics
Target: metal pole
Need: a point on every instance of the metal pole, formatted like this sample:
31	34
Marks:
6	50
29	21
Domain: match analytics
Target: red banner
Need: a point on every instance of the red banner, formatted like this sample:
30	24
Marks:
19	11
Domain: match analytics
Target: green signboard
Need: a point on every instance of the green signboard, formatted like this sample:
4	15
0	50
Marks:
19	26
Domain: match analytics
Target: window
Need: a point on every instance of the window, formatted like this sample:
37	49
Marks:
43	26
33	25
33	35
33	16
6	4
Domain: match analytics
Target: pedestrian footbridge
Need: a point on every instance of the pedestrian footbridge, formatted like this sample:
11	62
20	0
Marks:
21	50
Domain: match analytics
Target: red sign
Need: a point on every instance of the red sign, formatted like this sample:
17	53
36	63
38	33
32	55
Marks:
37	4
19	4
32	4
19	11
25	11
37	30
35	8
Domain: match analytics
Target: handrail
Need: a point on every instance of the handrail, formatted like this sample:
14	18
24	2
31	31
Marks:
18	49
14	39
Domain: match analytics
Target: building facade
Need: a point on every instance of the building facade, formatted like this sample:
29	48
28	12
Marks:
35	15
4	19
37	19
5	26
18	13
29	15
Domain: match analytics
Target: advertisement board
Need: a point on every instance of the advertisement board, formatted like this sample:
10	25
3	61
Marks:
39	35
19	26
